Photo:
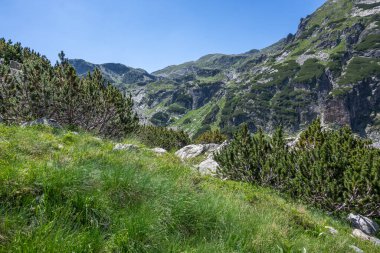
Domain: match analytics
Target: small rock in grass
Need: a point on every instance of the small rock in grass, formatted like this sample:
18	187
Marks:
121	146
159	151
356	249
208	167
332	230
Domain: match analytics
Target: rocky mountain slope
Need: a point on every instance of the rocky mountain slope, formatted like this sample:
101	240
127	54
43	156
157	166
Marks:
330	69
116	73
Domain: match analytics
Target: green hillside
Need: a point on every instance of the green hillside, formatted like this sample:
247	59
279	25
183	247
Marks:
68	192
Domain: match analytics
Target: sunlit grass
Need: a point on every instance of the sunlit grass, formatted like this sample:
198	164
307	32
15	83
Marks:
63	192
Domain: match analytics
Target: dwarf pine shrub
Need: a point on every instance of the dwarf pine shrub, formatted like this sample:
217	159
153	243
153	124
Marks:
330	169
155	136
211	136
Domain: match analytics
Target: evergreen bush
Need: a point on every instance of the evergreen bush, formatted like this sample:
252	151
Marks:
154	136
212	136
331	169
40	90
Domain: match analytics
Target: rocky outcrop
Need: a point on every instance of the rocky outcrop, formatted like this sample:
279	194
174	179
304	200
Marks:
207	167
193	151
363	223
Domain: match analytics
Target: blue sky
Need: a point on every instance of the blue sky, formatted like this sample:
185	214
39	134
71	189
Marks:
149	34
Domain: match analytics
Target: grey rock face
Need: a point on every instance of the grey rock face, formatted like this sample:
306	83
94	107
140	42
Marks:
121	146
43	121
364	224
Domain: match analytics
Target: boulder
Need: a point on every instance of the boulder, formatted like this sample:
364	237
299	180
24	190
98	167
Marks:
208	167
122	146
159	151
363	236
192	151
42	121
363	223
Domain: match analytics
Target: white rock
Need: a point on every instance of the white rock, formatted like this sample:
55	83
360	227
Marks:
363	223
360	234
208	167
332	230
192	151
159	151
356	249
121	146
363	236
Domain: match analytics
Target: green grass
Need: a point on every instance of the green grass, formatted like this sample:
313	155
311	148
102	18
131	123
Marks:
63	192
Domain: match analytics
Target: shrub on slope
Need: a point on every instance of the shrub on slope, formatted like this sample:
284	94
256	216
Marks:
39	90
330	169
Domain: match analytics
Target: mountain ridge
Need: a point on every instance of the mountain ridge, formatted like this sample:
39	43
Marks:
329	68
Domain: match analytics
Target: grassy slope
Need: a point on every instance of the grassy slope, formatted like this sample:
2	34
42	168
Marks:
63	192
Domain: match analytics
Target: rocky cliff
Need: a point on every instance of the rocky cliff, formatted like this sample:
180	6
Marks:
330	68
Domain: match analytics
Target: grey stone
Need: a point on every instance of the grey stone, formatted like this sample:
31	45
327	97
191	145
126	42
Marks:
159	151
42	121
356	249
208	167
122	146
332	230
363	236
363	223
192	151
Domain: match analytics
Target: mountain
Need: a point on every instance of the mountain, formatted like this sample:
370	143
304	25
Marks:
330	68
116	73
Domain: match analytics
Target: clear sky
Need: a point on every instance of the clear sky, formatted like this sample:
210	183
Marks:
149	34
